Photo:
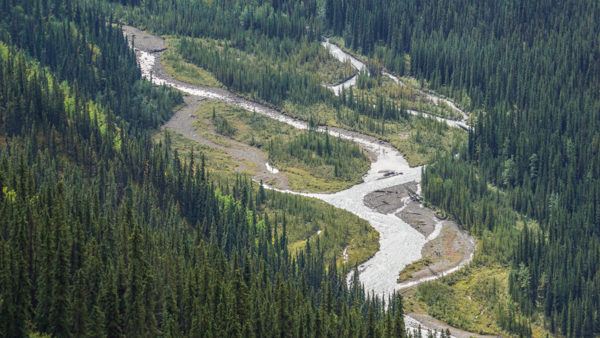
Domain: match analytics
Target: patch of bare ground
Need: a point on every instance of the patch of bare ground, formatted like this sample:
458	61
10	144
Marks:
144	41
421	219
449	245
446	251
434	324
184	121
390	199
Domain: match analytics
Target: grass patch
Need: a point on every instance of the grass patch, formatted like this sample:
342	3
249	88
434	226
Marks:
220	165
304	216
468	303
407	272
311	161
181	70
300	179
474	299
424	139
418	139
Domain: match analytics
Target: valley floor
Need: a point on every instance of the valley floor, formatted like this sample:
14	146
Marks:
248	159
440	242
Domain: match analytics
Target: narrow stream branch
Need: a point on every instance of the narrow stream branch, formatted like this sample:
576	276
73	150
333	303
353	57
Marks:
399	243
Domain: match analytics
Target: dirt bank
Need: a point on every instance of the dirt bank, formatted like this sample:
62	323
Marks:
447	245
434	324
143	40
390	199
445	252
421	219
380	272
249	159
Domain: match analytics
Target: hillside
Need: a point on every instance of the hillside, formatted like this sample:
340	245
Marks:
357	168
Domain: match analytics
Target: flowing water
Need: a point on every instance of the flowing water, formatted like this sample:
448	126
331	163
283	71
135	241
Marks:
399	243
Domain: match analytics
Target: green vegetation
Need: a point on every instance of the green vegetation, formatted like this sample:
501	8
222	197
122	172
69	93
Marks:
418	139
222	125
305	217
135	240
256	78
324	156
475	299
470	301
491	218
410	93
301	94
406	96
312	161
183	71
536	139
425	138
106	233
220	165
518	76
407	273
307	57
283	80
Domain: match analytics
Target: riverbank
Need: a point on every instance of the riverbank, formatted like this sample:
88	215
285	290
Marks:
447	245
247	159
378	274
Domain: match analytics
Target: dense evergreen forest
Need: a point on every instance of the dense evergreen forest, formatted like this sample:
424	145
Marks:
105	233
268	82
285	28
323	155
532	70
278	85
319	150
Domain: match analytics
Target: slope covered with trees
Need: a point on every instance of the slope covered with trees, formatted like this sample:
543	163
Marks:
304	155
105	233
532	69
282	67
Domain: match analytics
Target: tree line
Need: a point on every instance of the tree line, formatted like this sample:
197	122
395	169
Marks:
532	74
319	150
530	71
104	232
